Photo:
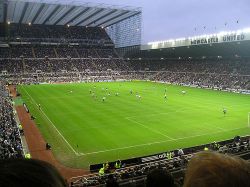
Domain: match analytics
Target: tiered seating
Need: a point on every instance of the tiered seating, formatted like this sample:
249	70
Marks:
10	141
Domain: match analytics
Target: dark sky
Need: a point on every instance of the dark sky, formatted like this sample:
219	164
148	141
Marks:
171	19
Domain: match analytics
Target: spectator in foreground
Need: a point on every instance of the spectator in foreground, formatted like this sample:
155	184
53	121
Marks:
29	172
160	178
210	169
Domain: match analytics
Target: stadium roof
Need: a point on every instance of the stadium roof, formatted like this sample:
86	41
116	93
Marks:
63	13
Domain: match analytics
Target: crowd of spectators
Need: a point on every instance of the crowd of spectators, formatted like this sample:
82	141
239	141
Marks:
217	73
218	81
10	140
83	50
55	52
231	77
59	65
218	66
52	33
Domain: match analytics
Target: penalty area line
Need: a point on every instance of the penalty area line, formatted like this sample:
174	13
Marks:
76	153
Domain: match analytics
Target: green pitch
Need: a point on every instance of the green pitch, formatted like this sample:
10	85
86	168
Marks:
83	129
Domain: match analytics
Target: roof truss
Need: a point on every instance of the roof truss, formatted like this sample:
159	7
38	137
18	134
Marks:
27	11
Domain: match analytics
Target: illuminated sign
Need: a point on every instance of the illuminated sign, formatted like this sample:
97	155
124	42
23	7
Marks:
222	37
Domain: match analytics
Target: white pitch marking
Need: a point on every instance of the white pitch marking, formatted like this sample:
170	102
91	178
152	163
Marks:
53	125
139	145
149	128
146	144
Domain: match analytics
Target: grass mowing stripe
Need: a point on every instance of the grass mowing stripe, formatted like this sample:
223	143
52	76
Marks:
51	123
100	132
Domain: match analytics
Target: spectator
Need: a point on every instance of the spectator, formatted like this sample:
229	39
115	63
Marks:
209	169
159	178
29	172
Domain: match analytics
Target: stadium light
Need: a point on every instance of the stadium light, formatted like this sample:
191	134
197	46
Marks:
8	22
68	25
29	24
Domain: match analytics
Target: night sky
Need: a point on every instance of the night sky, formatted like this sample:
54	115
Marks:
171	19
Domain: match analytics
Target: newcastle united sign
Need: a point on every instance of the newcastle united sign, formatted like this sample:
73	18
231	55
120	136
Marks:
222	37
216	39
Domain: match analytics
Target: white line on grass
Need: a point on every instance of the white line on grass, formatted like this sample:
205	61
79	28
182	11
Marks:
155	131
157	142
139	145
52	124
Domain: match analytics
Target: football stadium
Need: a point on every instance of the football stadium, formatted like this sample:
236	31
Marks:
80	91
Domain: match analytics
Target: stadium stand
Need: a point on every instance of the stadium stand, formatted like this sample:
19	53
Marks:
45	53
10	141
219	73
93	51
136	175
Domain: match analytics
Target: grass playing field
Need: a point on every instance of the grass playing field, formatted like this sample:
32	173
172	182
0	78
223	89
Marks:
83	129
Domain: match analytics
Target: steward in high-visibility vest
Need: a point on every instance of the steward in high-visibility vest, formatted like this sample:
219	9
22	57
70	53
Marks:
27	156
20	127
205	149
101	171
118	164
169	155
